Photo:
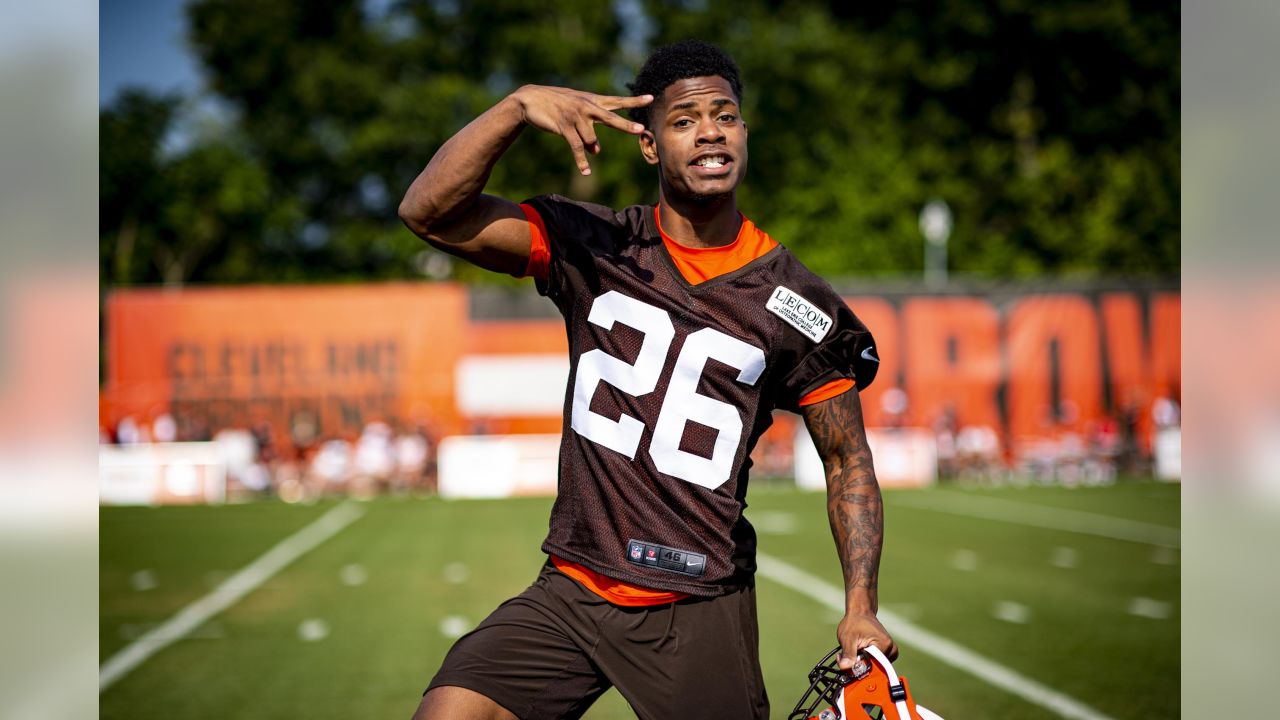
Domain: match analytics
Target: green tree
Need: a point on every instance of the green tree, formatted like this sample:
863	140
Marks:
1051	129
172	216
130	135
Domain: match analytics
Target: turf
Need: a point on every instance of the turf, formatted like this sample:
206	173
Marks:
428	567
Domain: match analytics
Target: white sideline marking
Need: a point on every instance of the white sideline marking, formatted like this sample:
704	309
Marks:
1041	516
313	630
353	575
1148	608
957	656
1066	558
454	626
456	573
964	560
1011	612
228	593
143	580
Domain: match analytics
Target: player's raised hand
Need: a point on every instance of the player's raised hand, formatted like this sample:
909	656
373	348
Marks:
573	114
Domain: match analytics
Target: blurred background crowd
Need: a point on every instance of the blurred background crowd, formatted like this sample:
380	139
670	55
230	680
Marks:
393	457
385	458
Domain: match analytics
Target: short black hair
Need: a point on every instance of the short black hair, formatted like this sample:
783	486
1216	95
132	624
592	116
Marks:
681	61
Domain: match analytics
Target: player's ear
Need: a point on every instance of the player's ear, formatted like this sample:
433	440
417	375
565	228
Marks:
649	147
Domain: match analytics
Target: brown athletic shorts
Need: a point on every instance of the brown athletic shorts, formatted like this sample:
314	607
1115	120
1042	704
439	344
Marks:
551	651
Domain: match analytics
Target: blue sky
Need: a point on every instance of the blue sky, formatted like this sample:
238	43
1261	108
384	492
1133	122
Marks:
142	42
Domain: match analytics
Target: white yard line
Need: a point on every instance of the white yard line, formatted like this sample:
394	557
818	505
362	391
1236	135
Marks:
929	643
1041	516
228	593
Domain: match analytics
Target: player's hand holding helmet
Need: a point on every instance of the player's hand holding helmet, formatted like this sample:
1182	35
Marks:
872	690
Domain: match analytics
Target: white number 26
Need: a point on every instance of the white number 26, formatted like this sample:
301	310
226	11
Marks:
682	402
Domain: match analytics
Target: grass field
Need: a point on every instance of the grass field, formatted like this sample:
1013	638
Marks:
1076	589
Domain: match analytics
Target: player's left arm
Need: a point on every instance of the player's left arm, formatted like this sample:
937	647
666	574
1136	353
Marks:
856	513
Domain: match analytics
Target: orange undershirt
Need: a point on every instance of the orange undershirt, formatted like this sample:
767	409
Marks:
697	265
615	591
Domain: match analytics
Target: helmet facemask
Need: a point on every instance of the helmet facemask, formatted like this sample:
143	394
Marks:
871	691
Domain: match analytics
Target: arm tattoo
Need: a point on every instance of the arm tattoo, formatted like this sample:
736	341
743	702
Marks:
853	496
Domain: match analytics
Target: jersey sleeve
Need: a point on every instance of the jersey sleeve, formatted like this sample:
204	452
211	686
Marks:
567	237
846	352
827	391
539	249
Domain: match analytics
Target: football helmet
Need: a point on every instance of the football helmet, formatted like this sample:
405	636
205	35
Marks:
871	690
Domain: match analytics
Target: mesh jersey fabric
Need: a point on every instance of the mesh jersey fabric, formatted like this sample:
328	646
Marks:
695	264
701	264
677	482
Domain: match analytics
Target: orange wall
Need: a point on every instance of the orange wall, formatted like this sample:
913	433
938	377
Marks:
232	356
1000	364
955	357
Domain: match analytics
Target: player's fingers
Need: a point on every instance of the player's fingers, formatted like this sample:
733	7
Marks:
855	664
890	649
618	122
587	131
884	644
579	150
617	102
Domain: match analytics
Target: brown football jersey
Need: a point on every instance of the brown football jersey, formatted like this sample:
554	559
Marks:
670	387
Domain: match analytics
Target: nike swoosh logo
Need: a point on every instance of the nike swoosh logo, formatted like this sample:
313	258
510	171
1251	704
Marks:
866	355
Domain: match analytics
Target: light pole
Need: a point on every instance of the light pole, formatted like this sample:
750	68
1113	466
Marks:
935	225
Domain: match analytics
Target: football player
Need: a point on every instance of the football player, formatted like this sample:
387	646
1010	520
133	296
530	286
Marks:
687	326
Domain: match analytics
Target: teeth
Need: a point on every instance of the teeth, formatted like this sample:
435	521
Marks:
714	161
